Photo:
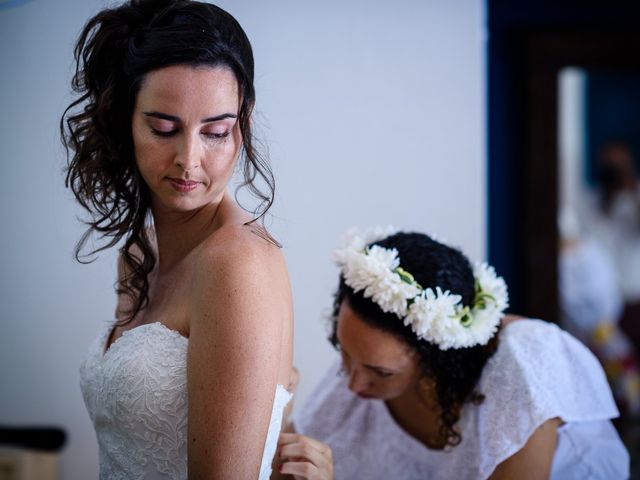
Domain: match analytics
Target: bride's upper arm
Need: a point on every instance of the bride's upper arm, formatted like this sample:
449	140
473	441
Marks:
241	301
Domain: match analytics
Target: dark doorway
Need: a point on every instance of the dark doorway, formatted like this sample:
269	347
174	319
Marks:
530	43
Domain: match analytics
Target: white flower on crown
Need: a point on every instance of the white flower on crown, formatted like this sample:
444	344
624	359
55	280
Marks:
433	315
492	285
430	315
373	270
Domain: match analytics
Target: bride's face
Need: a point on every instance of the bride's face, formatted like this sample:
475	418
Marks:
377	364
186	135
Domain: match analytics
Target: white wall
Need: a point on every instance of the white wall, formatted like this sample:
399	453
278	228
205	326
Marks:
374	113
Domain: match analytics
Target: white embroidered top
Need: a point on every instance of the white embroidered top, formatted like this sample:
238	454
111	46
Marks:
136	395
539	372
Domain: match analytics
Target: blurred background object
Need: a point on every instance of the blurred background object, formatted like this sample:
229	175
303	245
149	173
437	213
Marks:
599	227
30	453
612	212
591	305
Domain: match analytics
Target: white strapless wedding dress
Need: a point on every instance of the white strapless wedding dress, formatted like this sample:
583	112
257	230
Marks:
136	395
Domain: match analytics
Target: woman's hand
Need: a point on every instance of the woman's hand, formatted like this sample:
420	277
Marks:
304	457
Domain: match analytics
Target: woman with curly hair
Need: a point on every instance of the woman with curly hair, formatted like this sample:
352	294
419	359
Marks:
434	383
188	380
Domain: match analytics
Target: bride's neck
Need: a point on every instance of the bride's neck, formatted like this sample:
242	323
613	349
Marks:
178	234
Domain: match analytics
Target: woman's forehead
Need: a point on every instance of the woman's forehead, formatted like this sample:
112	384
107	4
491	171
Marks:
181	86
369	344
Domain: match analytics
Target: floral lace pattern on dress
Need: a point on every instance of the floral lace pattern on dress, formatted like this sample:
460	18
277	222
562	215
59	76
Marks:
136	395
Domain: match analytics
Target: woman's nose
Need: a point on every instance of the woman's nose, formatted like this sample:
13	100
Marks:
189	153
357	382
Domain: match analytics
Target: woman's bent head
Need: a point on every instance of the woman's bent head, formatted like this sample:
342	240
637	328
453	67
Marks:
382	353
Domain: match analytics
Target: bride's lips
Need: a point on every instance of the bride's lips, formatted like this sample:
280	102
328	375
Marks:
183	186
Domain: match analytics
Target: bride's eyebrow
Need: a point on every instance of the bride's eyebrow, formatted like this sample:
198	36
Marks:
217	118
173	118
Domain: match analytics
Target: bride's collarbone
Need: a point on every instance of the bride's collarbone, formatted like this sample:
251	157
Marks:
170	295
169	306
168	303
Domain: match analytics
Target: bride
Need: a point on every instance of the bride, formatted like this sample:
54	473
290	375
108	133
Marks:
188	382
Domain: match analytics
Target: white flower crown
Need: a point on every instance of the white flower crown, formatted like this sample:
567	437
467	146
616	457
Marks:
436	316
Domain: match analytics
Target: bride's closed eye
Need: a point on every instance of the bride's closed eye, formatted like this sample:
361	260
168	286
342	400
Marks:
217	135
162	128
163	133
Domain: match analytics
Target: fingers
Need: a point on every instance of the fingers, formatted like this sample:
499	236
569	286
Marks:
297	438
304	451
305	457
301	469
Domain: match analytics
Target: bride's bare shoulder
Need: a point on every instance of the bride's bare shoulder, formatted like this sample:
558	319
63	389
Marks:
241	239
244	254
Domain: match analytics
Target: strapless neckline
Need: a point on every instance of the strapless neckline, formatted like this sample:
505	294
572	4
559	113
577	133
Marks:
131	333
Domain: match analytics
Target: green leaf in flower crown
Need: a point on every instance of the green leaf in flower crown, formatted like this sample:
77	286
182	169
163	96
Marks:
481	297
405	276
465	317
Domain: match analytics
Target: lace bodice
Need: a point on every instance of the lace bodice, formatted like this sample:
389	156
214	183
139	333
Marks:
136	395
539	372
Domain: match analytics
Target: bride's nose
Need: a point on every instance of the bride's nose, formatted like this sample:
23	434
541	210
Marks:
189	153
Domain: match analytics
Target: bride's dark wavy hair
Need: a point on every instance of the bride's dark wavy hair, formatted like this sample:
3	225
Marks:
456	371
114	52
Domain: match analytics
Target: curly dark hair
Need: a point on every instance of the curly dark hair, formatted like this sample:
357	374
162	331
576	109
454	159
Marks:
114	52
456	371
